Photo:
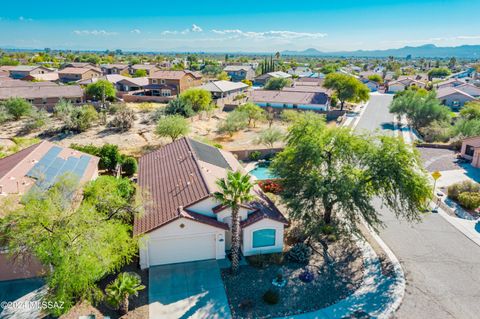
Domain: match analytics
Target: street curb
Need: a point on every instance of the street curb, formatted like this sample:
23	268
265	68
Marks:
400	286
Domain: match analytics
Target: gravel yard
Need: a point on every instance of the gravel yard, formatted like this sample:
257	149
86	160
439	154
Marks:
331	283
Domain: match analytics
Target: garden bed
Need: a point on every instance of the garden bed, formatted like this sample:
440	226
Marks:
331	283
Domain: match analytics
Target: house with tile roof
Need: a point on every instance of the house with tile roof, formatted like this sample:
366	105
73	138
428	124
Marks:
303	98
263	79
402	84
21	71
38	166
72	74
171	83
221	89
238	73
454	97
183	221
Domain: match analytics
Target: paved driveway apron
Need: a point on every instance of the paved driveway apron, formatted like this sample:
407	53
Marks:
187	290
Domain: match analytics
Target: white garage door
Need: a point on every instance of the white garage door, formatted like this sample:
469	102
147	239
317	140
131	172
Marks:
181	249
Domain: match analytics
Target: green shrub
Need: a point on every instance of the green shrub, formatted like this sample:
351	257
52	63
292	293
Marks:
123	119
82	118
17	107
129	166
469	200
234	122
181	107
63	110
456	189
299	253
271	297
255	155
37	120
4	115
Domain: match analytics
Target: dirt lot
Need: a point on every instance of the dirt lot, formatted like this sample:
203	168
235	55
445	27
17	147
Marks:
141	137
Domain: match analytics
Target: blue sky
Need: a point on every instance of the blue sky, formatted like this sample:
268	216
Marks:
258	26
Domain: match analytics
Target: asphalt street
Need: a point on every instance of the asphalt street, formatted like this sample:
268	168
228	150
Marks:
441	265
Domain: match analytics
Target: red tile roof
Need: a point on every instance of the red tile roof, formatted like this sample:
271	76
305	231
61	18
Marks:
173	179
264	209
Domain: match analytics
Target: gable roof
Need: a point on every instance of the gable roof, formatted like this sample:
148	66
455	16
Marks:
223	86
234	68
71	70
172	177
446	91
41	91
181	174
173	75
289	97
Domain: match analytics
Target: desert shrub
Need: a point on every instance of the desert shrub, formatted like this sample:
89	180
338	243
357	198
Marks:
456	189
217	145
37	120
180	106
129	166
277	83
17	107
299	253
4	115
289	116
158	114
82	118
271	297
436	132
234	122
173	126
469	200
123	119
255	155
63	110
306	276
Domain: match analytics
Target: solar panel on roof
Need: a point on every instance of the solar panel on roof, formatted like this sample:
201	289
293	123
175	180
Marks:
69	166
82	165
209	154
39	169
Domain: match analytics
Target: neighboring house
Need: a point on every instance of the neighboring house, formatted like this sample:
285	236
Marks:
39	166
300	71
21	71
468	73
306	87
172	83
313	101
114	68
184	222
132	84
469	89
262	79
41	94
372	85
238	73
149	68
453	97
449	83
51	77
471	150
71	74
86	65
313	81
403	84
222	89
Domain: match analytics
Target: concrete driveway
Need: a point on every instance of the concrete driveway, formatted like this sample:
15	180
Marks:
187	290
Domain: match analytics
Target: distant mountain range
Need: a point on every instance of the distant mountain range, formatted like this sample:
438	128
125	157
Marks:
424	51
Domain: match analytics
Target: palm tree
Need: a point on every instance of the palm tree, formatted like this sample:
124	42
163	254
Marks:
234	190
126	285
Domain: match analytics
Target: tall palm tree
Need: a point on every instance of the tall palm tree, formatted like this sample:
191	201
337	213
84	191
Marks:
126	285
234	190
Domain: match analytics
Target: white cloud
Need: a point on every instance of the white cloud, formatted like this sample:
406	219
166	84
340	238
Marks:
94	32
136	31
273	34
196	28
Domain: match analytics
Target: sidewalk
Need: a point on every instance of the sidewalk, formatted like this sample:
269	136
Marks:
378	297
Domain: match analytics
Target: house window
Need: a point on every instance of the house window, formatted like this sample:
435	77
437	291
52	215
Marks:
469	150
162	81
154	81
166	92
263	238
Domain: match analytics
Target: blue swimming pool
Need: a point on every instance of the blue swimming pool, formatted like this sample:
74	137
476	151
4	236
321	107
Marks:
262	171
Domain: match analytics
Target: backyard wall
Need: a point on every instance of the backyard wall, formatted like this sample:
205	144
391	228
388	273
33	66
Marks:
243	155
